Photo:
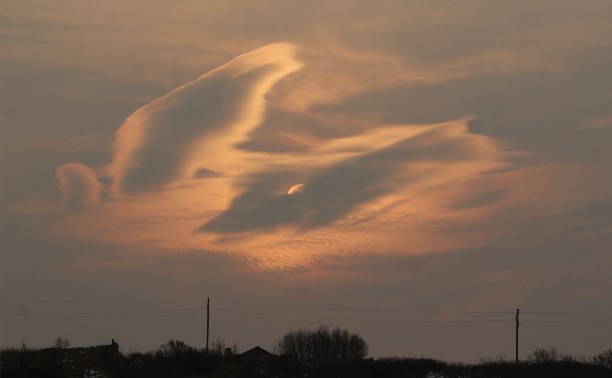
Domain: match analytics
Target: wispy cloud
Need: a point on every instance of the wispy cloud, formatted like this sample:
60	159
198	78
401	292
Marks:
183	175
196	125
79	185
596	123
186	173
351	173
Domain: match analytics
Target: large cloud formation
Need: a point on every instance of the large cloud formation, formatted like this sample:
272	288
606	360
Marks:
181	134
165	140
183	174
359	170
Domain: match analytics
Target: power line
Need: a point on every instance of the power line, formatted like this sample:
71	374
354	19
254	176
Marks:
122	313
350	319
357	323
311	320
94	316
107	310
114	301
569	312
298	307
569	325
366	309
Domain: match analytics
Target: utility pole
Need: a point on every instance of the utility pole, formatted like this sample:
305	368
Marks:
517	327
208	321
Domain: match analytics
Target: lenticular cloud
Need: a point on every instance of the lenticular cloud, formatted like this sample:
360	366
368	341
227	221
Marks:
192	126
167	139
179	177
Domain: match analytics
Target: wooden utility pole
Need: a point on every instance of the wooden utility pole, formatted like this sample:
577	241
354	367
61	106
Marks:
517	327
207	321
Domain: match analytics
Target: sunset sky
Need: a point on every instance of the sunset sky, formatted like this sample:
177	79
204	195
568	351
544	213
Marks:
414	171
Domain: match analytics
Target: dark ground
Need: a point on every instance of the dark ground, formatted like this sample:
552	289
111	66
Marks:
98	362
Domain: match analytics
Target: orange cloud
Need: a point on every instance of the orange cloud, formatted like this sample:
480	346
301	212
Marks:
182	179
194	126
347	174
79	185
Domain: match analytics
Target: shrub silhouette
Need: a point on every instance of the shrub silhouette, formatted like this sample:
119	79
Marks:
61	343
174	350
322	344
543	355
604	359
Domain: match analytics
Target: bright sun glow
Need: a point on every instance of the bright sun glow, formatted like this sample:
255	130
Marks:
298	188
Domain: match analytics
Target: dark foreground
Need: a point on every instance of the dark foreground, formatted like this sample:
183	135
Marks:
105	361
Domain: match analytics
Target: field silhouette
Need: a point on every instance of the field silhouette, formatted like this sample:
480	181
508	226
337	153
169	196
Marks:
322	352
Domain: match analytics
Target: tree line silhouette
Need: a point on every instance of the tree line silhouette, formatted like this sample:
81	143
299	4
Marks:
321	344
320	352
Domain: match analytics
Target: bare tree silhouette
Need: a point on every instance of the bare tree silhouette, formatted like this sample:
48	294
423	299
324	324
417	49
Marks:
322	344
61	343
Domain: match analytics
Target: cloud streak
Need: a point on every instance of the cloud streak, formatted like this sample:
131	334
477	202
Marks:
183	176
79	185
186	174
358	172
167	139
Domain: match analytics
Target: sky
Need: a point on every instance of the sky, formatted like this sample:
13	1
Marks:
413	171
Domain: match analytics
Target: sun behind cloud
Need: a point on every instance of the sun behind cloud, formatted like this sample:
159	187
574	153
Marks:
295	189
179	177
